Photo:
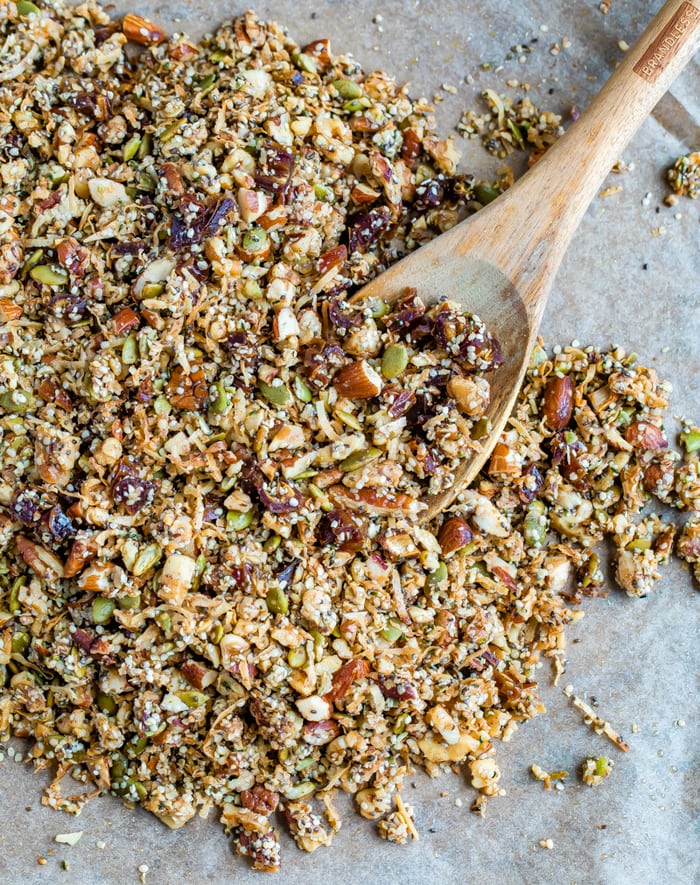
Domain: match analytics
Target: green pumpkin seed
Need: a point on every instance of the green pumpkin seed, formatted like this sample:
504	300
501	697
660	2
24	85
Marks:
434	579
324	193
49	276
481	428
296	657
13	601
272	543
24	8
535	524
131	148
277	394
237	521
102	609
299	791
222	401
320	496
162	406
538	356
171	130
348	418
148	558
32	261
485	193
301	390
128	603
106	703
359	459
255	239
379	308
305	62
277	602
392	632
691	440
206	84
17	401
192	698
251	289
394	361
20	642
639	544
130	350
347	88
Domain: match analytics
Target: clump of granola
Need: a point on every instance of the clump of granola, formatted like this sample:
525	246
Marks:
684	177
594	770
213	590
507	125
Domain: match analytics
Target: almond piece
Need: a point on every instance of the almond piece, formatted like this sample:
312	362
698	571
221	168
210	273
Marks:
141	30
645	435
10	311
364	195
125	319
358	381
558	402
454	535
472	395
40	560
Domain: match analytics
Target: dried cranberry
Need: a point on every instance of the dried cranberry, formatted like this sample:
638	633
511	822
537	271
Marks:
129	489
529	484
197	222
342	317
568	454
365	228
69	307
408	312
396	689
59	526
429	194
242	574
398	401
285	573
342	529
411	147
25	507
86	102
321	360
135	247
276	166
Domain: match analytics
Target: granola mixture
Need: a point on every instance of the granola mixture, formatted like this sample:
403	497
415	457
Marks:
684	176
506	125
213	592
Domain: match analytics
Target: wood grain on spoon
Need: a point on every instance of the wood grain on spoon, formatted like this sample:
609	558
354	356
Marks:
500	263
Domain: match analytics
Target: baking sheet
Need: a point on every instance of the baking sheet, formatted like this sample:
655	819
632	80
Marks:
640	659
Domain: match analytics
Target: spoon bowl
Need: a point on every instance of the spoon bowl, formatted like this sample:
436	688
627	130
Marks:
500	263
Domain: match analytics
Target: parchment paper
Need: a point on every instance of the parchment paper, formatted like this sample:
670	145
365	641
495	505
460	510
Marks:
639	658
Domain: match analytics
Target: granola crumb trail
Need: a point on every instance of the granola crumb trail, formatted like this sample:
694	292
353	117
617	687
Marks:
213	593
597	724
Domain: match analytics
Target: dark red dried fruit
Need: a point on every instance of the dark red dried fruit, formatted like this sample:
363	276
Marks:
72	256
342	529
58	525
408	312
430	193
529	484
568	455
398	402
197	221
321	361
276	166
285	573
320	733
396	689
129	489
25	507
365	228
71	308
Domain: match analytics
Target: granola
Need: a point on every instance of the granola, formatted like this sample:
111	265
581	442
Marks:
684	177
213	590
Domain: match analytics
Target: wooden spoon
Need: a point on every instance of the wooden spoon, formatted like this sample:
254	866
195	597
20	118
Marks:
500	263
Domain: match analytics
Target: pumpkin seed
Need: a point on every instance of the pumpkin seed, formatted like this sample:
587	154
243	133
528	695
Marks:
13	601
171	130
394	361
106	703
131	148
272	543
130	350
691	440
237	521
437	577
324	193
305	62
322	498
348	418
277	602
347	88
24	8
20	642
392	632
277	394
192	698
49	276
359	459
17	401
535	524
639	544
222	401
298	791
148	558
356	104
255	239
296	657
128	603
485	193
102	609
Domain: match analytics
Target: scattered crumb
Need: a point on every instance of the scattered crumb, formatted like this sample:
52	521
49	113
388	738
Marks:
70	838
41	861
604	6
594	770
684	176
479	805
609	191
590	718
101	845
399	825
623	45
546	777
547	843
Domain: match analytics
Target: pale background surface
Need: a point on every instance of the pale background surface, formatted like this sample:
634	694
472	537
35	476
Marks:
639	658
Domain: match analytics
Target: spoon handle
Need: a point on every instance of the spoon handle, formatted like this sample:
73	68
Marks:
547	204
